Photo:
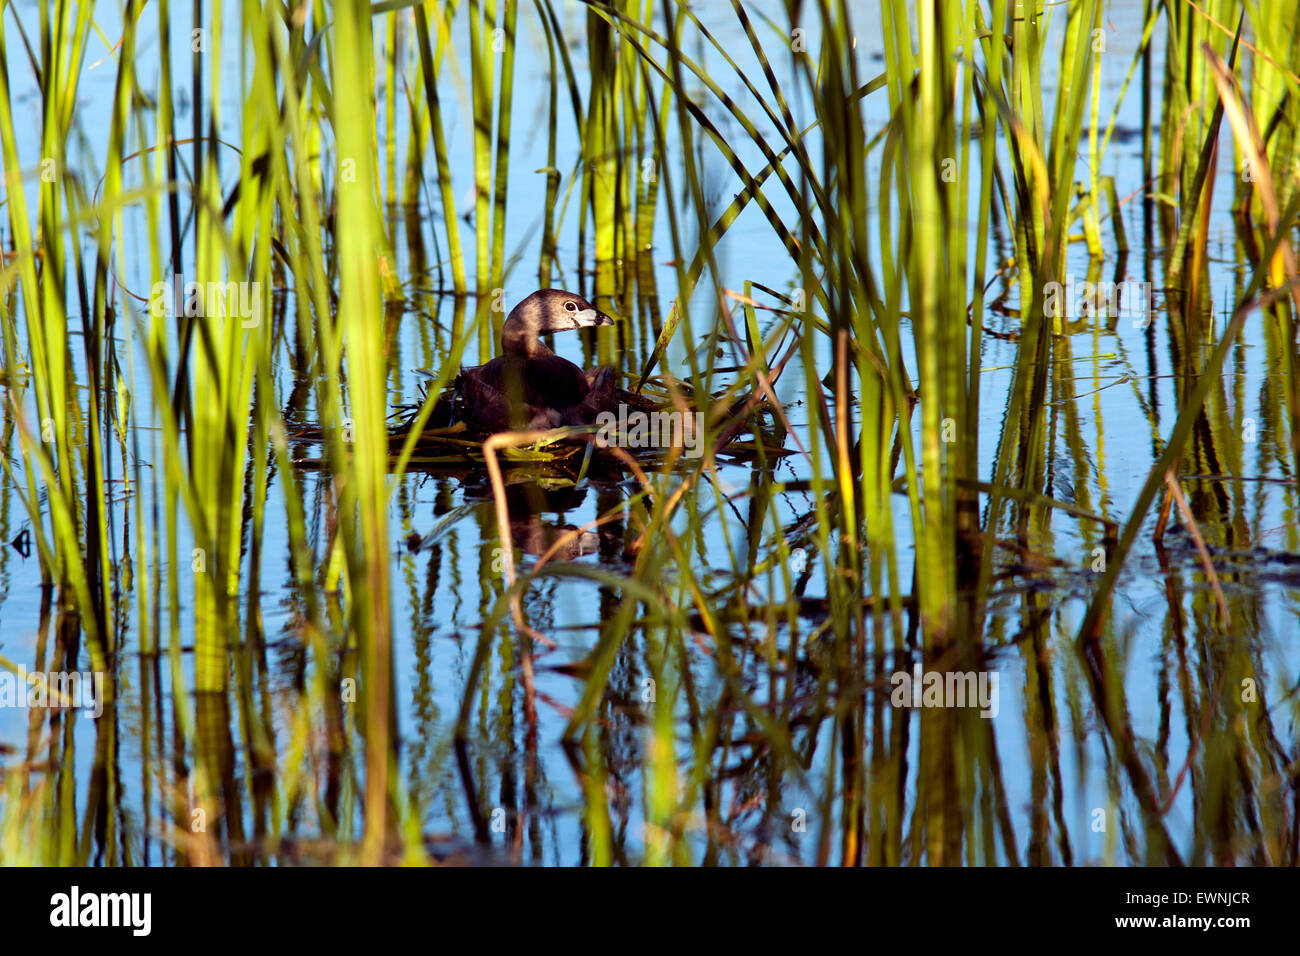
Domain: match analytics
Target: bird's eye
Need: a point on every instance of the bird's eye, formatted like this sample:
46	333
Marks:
571	306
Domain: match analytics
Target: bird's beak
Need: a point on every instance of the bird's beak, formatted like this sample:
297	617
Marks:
590	317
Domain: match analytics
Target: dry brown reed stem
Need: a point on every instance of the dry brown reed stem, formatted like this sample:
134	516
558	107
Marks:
564	539
504	440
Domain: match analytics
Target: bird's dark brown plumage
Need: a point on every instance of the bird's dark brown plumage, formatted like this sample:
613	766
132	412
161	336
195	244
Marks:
530	387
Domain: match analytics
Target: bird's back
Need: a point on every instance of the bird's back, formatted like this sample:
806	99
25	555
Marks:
511	391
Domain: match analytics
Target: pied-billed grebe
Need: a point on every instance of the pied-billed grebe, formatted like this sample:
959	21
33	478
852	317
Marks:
529	386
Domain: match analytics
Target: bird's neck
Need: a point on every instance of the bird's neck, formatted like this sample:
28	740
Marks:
519	340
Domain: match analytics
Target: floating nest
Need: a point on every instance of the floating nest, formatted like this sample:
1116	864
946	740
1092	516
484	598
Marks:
450	438
450	443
